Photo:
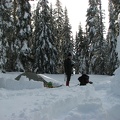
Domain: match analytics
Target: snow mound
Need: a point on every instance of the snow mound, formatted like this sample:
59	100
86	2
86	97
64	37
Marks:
115	82
23	83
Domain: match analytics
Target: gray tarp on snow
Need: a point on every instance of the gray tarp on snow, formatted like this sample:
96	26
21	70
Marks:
32	76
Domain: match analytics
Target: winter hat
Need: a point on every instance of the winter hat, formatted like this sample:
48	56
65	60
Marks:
69	54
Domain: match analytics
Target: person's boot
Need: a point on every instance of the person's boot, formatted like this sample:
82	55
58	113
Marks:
67	83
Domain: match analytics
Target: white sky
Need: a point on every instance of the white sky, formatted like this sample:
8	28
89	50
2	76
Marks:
77	11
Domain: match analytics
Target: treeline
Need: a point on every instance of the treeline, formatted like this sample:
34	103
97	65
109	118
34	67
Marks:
39	40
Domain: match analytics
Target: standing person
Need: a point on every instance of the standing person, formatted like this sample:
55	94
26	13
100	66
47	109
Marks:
68	68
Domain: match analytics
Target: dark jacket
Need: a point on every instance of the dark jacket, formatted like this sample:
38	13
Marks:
68	66
84	79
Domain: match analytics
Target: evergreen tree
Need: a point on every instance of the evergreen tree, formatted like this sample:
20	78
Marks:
94	30
59	22
11	54
112	63
10	64
6	28
67	42
102	42
45	51
81	48
116	8
116	4
52	20
23	32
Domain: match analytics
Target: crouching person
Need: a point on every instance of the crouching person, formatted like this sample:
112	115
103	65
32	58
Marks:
84	79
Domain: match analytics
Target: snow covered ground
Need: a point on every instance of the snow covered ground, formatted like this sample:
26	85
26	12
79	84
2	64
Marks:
29	100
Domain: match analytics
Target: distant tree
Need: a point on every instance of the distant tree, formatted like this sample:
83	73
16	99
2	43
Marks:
52	20
80	51
67	42
45	50
59	22
99	65
94	30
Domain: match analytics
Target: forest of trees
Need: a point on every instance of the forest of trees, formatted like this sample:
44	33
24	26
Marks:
40	40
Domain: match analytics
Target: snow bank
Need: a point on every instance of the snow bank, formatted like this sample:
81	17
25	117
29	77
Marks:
114	113
95	101
71	103
23	83
115	82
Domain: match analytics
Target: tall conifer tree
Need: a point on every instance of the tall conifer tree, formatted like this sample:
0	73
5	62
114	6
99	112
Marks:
67	43
112	41
59	22
94	29
6	28
45	51
79	48
23	32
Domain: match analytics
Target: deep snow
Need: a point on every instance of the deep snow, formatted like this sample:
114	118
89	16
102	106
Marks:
29	100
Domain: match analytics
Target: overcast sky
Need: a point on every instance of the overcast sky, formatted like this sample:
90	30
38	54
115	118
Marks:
77	11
